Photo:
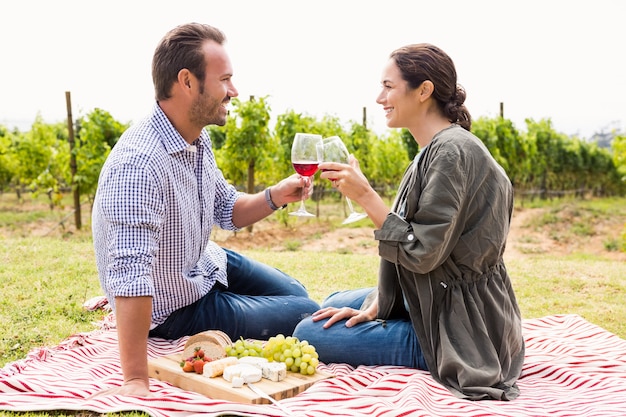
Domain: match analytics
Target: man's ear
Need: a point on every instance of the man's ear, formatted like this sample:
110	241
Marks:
185	79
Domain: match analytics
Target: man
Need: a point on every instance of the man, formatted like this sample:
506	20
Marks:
159	195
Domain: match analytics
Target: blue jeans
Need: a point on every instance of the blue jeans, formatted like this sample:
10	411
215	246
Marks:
260	302
390	342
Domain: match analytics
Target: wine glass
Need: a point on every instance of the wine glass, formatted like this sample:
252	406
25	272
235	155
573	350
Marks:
335	151
306	154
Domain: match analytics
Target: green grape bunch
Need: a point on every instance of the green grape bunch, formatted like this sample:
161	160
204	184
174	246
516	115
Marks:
243	347
298	356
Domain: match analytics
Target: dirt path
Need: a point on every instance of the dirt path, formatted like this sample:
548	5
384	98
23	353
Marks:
524	238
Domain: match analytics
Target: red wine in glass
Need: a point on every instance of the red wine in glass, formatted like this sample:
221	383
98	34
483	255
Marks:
306	154
305	168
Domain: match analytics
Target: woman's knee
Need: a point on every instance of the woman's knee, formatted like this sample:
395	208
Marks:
307	328
347	298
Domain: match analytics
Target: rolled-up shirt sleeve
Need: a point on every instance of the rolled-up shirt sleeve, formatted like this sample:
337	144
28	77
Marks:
134	211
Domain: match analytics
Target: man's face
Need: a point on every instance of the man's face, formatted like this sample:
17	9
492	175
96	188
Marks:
209	106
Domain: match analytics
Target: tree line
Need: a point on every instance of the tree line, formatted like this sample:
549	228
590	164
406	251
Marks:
540	161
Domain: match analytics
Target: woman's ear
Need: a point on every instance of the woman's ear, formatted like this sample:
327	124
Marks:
426	90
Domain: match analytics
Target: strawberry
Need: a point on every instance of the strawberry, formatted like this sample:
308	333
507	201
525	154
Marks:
199	352
187	366
198	366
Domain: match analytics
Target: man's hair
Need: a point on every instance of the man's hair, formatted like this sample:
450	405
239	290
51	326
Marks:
181	48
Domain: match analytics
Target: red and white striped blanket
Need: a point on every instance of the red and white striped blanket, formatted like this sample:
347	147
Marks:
573	368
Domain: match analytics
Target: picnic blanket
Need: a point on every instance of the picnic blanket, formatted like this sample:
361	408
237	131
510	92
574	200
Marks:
572	368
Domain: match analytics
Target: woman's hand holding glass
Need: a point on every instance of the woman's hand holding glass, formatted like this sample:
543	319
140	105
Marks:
335	151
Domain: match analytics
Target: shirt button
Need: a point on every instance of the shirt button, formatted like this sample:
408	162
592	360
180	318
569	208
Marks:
411	237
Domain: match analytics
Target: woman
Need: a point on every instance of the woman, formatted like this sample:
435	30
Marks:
444	301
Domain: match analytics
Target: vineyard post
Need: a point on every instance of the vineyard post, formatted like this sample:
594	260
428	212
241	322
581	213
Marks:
75	190
365	117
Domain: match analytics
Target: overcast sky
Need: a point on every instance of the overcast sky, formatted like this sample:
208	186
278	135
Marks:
558	59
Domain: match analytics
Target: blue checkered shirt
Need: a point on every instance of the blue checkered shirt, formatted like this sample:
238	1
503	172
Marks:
157	201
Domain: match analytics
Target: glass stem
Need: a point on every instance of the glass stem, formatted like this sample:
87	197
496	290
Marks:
306	182
349	205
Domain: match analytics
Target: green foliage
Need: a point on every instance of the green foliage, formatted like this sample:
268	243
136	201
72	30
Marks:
42	156
547	143
545	162
97	133
360	142
619	156
8	164
390	162
217	135
540	162
409	142
249	147
514	152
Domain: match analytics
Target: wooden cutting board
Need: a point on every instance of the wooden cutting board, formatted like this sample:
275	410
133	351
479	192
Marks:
167	368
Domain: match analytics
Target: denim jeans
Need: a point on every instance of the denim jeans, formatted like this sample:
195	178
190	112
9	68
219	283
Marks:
390	342
260	302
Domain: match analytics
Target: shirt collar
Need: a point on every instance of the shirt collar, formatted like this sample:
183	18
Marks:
172	139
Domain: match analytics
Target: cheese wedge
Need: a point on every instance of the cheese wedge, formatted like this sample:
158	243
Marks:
249	373
253	360
217	367
274	371
237	382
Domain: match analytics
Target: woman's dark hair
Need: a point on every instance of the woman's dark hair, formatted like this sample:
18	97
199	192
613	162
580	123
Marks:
181	48
421	62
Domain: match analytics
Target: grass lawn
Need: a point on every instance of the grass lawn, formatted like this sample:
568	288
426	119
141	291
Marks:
47	271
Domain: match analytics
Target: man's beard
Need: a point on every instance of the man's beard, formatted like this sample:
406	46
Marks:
207	110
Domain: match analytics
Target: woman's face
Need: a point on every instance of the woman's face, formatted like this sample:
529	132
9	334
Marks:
399	102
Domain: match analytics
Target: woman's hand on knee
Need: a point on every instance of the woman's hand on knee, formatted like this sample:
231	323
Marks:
360	317
333	314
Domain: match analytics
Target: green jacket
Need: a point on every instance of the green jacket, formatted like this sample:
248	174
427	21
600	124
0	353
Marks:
442	248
